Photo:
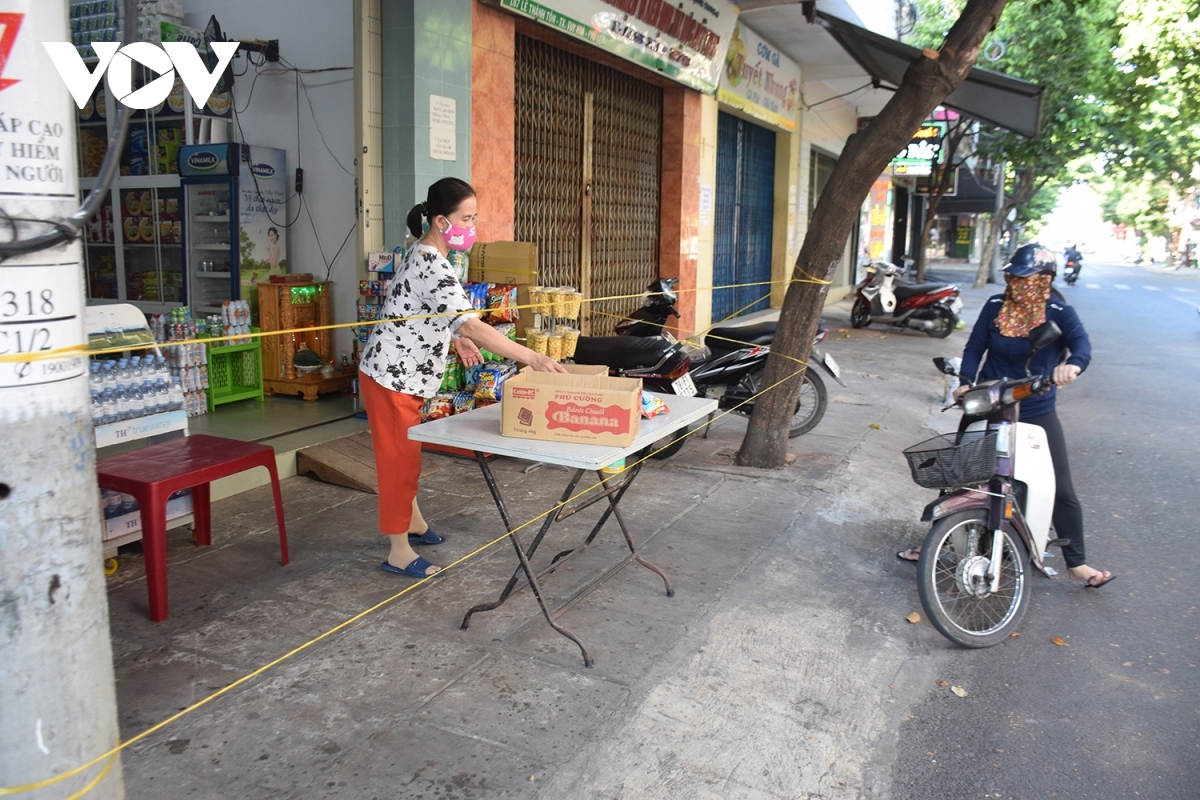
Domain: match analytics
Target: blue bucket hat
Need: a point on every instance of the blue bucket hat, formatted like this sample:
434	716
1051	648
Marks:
1031	259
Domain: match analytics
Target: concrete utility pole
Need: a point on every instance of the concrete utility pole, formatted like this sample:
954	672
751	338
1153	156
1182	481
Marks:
57	692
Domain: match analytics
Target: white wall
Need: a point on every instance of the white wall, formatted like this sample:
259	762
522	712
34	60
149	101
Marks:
312	34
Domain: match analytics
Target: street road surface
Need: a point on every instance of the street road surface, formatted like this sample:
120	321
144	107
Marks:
1115	711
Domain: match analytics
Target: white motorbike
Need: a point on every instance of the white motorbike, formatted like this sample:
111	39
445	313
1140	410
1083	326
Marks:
992	519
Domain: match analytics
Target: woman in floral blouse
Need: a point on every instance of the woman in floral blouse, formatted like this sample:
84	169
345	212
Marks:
403	361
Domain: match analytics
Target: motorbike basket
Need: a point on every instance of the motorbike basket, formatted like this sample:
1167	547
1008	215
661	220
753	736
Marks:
953	459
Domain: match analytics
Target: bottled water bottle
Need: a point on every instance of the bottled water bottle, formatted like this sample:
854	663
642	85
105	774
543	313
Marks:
109	404
161	369
95	377
123	373
110	374
176	393
135	369
162	396
97	407
121	395
137	406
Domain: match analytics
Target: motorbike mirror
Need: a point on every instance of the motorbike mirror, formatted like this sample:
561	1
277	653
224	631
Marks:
943	364
1044	335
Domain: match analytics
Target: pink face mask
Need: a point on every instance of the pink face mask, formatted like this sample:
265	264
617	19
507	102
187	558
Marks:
458	237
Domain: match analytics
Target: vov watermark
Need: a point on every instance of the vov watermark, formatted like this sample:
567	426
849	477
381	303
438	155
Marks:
118	62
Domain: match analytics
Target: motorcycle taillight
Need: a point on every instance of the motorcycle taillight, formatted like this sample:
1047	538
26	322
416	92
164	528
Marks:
680	370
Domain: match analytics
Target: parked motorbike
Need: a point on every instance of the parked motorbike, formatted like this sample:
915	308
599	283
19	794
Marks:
884	296
992	519
1071	270
730	366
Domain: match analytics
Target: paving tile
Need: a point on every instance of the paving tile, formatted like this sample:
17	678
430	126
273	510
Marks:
534	708
421	761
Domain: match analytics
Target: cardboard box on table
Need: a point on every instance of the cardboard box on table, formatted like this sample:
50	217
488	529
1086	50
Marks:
585	406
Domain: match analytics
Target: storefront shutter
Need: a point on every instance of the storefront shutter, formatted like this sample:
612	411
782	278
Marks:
588	176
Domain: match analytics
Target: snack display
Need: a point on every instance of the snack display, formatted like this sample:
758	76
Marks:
536	341
570	341
555	345
540	299
572	303
653	405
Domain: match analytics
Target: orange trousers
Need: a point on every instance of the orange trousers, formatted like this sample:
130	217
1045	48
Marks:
397	458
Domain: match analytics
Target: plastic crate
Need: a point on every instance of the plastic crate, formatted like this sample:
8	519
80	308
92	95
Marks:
953	459
234	373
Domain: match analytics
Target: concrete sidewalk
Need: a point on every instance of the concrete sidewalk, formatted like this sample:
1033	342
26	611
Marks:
781	668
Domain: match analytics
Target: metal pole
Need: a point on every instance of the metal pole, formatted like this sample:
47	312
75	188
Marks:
994	269
57	692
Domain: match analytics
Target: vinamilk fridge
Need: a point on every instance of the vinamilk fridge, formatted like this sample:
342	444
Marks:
234	210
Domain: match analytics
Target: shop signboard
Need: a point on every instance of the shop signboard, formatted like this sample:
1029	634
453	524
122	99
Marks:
687	42
925	149
759	80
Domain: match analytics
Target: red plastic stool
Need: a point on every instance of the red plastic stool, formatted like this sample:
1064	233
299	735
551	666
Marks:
154	473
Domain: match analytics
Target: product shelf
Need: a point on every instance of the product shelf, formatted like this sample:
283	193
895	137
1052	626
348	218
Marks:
234	373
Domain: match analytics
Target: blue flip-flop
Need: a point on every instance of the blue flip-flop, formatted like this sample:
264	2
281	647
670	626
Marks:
415	569
428	537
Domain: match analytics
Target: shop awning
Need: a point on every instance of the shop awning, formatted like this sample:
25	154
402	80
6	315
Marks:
1009	103
974	196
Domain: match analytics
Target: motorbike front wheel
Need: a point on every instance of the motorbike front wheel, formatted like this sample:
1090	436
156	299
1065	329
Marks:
810	405
860	314
944	322
954	581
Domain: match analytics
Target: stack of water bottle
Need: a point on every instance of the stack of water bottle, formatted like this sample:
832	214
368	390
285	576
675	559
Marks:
186	357
235	321
124	389
115	504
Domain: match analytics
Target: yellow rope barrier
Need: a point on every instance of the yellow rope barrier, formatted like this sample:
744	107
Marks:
84	350
112	754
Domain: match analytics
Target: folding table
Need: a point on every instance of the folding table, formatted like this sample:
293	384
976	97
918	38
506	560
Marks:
479	432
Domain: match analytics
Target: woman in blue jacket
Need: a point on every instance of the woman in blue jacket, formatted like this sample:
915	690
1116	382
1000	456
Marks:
1002	334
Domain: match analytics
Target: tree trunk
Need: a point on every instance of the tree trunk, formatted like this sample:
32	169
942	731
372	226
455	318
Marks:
989	248
926	83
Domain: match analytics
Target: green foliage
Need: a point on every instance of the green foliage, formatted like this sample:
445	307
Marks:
1065	47
1153	102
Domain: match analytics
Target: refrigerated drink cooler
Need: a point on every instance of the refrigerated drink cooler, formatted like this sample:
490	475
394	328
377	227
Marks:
234	207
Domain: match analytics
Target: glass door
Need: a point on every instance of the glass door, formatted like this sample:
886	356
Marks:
209	241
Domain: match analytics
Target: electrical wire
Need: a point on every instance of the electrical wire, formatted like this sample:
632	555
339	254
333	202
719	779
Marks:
808	107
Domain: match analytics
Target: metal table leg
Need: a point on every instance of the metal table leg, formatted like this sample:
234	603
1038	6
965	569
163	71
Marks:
613	496
524	558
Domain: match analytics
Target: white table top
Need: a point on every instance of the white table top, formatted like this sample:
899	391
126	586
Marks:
479	430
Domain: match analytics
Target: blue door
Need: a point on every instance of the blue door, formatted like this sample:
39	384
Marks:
745	207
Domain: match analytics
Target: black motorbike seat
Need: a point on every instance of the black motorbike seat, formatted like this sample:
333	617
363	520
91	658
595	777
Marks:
759	333
621	352
908	290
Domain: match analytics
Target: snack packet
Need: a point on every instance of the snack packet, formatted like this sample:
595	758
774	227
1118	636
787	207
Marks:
501	303
440	406
491	381
464	402
652	406
478	294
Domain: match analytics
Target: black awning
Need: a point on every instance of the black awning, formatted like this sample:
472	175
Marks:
1009	103
975	196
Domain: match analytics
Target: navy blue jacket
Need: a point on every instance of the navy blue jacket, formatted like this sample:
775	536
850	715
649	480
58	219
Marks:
1006	355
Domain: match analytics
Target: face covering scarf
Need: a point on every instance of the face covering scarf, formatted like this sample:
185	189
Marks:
1024	305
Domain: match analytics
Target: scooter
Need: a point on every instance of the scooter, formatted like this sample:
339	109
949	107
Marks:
885	297
1071	271
992	519
730	366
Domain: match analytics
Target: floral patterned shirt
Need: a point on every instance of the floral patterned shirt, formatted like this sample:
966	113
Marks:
409	356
